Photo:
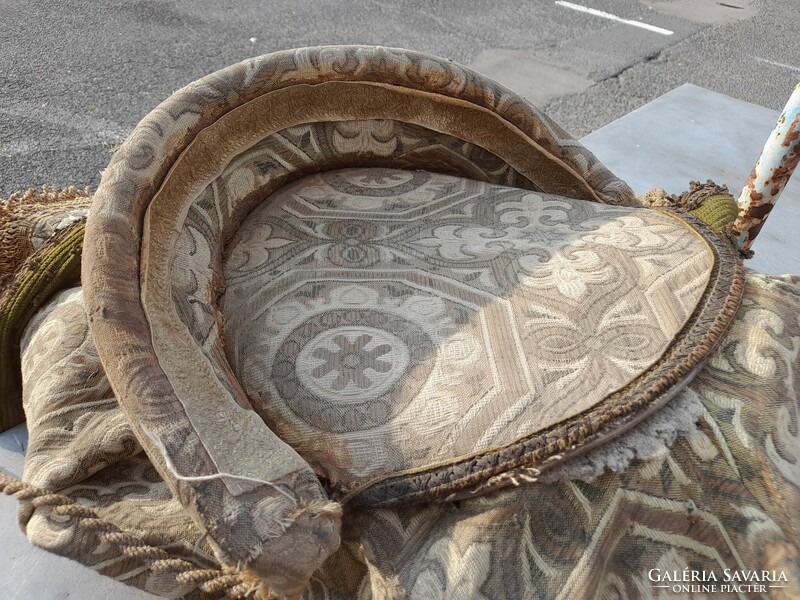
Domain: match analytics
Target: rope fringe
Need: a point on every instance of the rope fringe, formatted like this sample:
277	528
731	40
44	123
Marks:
238	585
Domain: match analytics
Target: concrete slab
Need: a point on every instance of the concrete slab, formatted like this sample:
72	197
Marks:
692	133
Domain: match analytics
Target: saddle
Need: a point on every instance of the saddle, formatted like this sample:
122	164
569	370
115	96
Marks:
331	289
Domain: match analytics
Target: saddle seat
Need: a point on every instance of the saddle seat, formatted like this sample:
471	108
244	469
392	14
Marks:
412	334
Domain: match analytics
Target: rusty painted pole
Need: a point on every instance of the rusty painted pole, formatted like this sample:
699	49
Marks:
770	174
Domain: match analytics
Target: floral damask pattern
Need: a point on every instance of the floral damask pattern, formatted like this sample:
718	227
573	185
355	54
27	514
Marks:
568	273
351	361
457	314
354	246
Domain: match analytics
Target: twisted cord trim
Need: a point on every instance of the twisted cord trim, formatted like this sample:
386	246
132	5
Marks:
236	584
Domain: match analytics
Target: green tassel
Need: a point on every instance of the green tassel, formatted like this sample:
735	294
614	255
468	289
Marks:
56	266
718	212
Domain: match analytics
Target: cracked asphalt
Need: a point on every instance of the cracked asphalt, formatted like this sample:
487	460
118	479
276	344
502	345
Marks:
76	76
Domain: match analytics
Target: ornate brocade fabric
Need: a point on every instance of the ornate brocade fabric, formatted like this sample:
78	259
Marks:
726	496
382	320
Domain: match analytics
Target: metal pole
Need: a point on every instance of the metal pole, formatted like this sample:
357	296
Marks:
770	173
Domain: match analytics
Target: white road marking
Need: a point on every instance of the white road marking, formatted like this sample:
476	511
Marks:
605	15
777	64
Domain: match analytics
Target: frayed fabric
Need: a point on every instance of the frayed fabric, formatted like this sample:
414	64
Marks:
650	439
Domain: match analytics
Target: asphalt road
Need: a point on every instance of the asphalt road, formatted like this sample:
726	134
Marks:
77	75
